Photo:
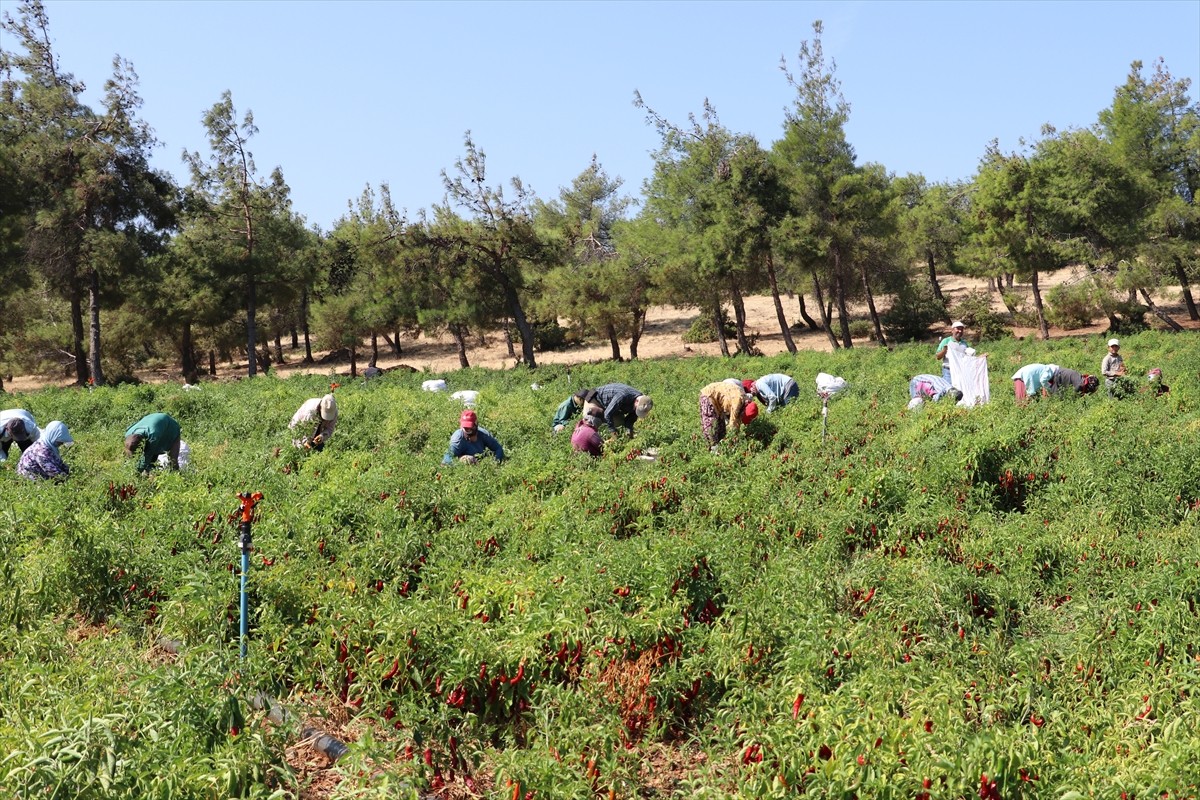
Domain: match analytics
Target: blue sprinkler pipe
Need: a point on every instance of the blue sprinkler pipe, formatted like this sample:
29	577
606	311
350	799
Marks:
249	501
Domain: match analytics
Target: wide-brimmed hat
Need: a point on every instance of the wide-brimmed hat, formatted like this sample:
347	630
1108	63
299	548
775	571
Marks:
642	405
329	411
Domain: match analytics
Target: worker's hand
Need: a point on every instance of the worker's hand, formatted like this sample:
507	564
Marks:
558	428
468	459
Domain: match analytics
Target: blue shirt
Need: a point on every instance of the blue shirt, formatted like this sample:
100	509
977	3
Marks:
460	446
776	389
1036	376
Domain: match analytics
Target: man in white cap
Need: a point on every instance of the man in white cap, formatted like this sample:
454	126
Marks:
324	411
957	340
1113	368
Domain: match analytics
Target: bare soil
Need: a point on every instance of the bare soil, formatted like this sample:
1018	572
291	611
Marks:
662	338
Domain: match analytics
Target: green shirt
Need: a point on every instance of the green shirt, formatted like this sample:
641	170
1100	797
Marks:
159	432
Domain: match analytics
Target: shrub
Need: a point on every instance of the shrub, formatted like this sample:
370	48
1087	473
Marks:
1072	305
975	309
702	330
862	329
913	312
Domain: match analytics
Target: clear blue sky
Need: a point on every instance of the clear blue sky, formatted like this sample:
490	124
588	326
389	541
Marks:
347	94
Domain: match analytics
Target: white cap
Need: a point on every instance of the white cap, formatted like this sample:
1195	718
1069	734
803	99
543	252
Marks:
1114	343
958	323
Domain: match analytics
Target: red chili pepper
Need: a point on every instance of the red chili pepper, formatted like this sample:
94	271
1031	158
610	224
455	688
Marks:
520	674
391	673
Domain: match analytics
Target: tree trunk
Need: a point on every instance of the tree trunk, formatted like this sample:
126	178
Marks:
308	358
1158	312
460	341
862	270
839	294
263	358
614	342
779	315
94	330
1188	301
374	349
933	281
639	322
716	319
523	327
212	363
809	321
826	320
81	367
739	322
187	355
295	338
392	343
1008	279
1043	328
353	361
251	331
278	348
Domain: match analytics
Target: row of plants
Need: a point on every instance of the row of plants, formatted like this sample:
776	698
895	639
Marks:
946	603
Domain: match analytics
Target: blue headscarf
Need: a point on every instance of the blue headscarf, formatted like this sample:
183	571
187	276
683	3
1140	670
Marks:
54	435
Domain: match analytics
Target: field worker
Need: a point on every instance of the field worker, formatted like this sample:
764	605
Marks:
568	409
956	339
724	406
585	438
1033	378
1083	384
930	387
43	459
17	426
155	434
1154	383
323	411
1113	368
776	390
470	441
619	405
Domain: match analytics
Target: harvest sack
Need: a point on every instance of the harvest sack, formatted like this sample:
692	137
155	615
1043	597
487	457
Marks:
436	385
969	374
468	397
184	456
829	384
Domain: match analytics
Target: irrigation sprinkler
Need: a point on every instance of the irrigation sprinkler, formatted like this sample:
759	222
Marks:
249	501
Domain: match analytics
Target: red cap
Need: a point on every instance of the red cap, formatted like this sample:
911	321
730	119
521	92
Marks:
749	412
748	385
467	419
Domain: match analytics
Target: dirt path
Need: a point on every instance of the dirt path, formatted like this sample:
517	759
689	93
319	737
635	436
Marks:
663	337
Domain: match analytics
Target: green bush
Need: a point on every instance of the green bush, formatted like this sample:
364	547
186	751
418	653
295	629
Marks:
913	312
975	309
1072	305
862	329
702	330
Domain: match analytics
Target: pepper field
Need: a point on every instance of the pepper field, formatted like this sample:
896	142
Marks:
991	603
